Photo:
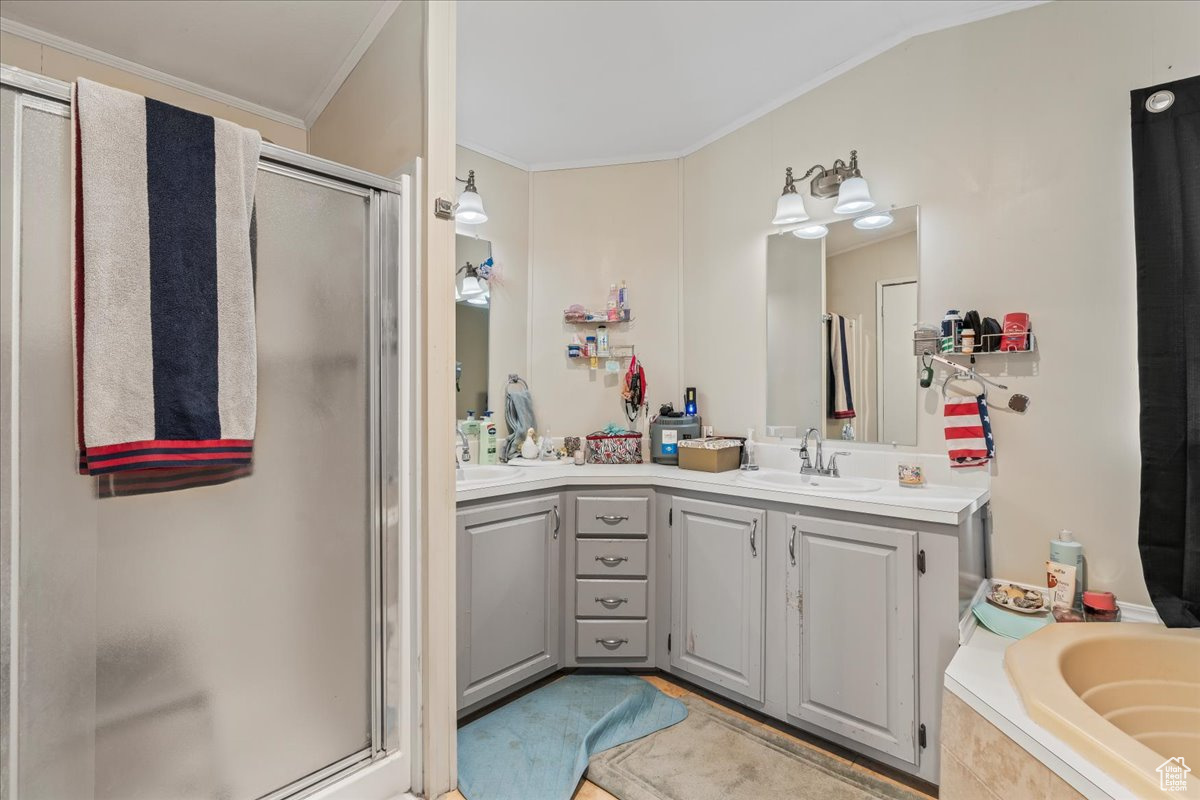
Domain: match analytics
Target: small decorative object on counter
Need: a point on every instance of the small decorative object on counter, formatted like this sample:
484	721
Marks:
572	443
1101	607
529	448
1017	598
911	475
709	455
614	448
579	457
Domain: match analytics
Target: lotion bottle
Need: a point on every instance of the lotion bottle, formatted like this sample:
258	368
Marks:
1065	550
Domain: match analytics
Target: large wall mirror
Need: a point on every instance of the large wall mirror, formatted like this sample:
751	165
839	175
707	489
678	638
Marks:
472	318
840	315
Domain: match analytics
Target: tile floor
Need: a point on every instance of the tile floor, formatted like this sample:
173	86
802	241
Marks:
590	791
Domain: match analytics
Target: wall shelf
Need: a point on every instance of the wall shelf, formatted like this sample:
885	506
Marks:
594	322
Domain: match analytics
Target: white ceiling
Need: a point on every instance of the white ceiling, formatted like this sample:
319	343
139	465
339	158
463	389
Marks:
282	58
549	85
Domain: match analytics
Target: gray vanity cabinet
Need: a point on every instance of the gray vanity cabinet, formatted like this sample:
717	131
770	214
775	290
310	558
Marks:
717	590
852	631
508	596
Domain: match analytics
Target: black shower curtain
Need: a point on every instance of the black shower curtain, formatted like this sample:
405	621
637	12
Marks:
1166	208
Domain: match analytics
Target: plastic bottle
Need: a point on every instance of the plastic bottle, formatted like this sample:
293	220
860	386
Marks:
1065	550
488	452
623	297
613	313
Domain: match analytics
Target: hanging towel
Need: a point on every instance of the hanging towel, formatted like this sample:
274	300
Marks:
969	432
518	413
841	369
165	364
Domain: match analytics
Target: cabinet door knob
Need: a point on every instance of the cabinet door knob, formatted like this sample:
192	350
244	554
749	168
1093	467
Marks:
611	561
612	644
611	519
611	602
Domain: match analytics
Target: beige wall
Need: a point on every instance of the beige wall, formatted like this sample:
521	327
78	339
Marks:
376	119
593	227
16	51
850	285
505	193
1013	136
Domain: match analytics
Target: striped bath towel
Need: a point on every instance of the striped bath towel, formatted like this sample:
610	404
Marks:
165	362
841	369
969	432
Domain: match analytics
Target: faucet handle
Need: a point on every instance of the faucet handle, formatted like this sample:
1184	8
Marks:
803	451
833	470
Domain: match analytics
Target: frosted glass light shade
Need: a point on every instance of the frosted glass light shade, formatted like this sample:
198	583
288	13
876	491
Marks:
470	209
790	209
853	197
872	222
479	300
471	286
811	232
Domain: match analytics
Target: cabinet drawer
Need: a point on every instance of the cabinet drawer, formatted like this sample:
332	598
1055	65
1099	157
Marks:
604	557
612	516
599	598
610	638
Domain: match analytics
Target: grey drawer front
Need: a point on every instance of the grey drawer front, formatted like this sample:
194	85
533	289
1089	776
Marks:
607	557
620	598
612	516
610	638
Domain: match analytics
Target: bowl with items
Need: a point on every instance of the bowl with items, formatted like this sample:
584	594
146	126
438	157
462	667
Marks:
1017	598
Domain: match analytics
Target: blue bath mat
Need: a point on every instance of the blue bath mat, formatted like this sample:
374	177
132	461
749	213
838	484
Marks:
537	747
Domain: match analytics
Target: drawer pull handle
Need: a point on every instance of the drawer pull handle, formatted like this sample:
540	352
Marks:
611	602
611	561
612	519
612	644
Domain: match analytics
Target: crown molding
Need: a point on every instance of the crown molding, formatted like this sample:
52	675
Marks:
108	59
317	107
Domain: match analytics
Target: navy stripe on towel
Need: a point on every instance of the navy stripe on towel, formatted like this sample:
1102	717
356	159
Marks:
182	203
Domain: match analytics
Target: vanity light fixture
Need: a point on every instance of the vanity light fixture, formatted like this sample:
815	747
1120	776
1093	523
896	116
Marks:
479	300
873	222
472	285
811	232
469	209
843	181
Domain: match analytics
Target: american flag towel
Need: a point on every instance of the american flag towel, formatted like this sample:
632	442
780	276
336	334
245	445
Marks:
969	432
165	362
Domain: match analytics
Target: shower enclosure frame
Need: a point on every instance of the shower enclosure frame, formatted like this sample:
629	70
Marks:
391	763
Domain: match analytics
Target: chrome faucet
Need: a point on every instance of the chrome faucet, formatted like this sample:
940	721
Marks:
807	467
465	455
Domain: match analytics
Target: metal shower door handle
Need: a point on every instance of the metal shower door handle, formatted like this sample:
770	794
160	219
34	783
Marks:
611	561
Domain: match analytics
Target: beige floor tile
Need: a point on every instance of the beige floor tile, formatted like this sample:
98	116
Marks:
665	686
1061	790
590	791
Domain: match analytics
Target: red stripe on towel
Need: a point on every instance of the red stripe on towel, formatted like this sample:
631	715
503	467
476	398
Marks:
965	432
964	409
148	444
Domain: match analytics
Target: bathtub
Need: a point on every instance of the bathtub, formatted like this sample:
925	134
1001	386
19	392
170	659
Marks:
1126	696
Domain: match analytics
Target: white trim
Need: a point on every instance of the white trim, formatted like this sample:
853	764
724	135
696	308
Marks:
994	10
108	59
317	107
495	155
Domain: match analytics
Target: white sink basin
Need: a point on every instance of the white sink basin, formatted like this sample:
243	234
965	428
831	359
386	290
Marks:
779	479
476	474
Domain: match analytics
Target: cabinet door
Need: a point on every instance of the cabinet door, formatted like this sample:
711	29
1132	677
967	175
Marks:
508	595
851	632
717	616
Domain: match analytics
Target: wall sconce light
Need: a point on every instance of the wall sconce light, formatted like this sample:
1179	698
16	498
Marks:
472	283
842	180
469	208
873	222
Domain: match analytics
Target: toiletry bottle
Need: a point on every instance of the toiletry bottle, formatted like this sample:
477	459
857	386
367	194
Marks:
1065	550
951	329
488	452
623	297
602	340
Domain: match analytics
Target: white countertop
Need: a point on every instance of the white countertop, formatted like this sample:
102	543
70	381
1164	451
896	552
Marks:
949	505
976	675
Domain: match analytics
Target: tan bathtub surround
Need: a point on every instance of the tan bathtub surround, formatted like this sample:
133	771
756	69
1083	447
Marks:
1124	695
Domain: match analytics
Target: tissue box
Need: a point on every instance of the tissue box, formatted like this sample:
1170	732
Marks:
710	455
